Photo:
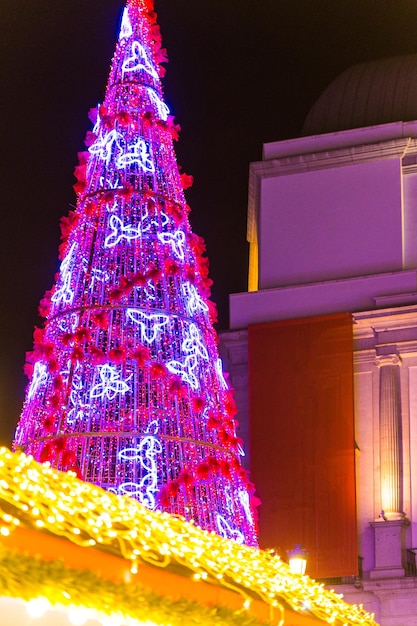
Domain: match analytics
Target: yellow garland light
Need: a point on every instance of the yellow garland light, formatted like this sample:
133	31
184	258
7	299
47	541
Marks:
39	497
46	585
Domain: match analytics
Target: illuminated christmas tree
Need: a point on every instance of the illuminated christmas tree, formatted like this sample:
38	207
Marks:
127	388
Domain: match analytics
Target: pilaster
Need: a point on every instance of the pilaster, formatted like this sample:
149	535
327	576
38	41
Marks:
390	446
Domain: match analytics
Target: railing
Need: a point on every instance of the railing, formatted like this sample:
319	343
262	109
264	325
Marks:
411	568
347	580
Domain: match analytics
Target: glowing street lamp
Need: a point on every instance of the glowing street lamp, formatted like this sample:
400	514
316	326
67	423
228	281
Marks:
297	559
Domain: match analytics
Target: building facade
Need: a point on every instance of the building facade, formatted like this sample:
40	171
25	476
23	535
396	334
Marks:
332	227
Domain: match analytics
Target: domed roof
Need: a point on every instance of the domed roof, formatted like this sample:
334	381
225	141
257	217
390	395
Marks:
367	94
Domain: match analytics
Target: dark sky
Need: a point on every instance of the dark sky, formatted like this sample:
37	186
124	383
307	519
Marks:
241	73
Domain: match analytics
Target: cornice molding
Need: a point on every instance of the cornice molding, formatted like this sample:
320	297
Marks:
367	323
364	356
350	155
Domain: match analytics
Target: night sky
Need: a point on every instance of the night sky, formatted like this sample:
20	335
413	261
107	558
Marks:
241	73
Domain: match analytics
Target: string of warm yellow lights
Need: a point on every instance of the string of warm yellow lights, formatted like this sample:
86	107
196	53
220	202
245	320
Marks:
83	595
39	497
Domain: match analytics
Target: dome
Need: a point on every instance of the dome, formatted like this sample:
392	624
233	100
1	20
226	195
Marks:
367	94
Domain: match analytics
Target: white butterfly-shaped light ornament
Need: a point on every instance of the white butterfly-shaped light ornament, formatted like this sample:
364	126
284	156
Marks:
176	241
162	108
185	370
111	383
193	343
126	27
219	369
244	501
226	531
138	152
151	325
103	146
65	293
40	375
194	302
145	453
138	60
119	232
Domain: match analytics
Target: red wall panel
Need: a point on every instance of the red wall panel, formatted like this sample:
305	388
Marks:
302	439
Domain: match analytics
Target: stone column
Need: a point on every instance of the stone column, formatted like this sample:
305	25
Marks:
390	528
390	436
